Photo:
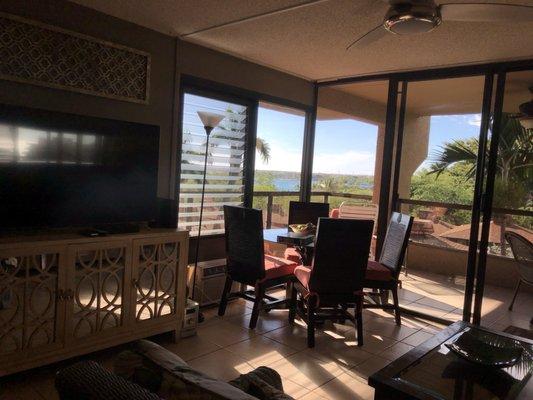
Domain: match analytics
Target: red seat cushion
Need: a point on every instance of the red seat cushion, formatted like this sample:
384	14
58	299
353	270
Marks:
293	255
276	267
303	274
377	272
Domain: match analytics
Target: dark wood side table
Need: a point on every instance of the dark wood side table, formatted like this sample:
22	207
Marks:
432	372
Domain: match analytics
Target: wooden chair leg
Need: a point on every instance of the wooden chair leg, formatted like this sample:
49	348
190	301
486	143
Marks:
310	323
344	310
292	302
359	319
515	294
259	294
224	298
384	297
397	315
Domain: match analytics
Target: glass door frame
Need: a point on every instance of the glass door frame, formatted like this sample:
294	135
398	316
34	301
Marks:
478	194
492	103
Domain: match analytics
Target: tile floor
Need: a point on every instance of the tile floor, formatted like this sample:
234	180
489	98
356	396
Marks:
335	369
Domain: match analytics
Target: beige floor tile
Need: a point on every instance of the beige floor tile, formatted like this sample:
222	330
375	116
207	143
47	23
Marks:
234	308
422	308
395	351
313	395
375	343
388	328
275	319
307	371
192	347
293	389
347	386
445	303
224	333
370	366
344	352
261	350
407	296
417	338
221	364
294	336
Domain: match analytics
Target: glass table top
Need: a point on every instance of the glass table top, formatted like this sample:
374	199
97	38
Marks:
448	376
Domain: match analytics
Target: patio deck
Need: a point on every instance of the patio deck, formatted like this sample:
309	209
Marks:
335	369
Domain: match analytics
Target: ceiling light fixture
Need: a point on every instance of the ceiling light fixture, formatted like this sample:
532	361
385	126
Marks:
408	18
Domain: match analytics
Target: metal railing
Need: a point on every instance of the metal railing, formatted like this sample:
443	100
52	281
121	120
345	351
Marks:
270	195
497	248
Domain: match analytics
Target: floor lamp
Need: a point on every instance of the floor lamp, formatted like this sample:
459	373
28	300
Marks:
210	122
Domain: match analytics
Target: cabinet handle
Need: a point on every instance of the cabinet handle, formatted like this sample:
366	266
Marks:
60	294
135	282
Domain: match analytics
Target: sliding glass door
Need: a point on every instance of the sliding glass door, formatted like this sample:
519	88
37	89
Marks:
511	170
439	140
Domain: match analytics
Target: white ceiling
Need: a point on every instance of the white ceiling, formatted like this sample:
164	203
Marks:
310	41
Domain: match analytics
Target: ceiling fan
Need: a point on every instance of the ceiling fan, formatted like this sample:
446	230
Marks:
406	17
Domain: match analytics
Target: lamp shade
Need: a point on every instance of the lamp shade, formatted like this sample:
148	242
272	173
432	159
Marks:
210	120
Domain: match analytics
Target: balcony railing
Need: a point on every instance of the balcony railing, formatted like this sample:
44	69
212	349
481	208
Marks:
448	224
281	209
436	223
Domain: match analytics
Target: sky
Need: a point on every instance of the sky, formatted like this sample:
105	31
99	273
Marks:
343	146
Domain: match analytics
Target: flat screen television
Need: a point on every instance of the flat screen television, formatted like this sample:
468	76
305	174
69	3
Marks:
63	170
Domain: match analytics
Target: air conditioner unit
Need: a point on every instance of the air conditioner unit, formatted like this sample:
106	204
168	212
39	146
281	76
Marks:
210	280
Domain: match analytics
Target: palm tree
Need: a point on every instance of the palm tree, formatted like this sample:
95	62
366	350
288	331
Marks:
263	148
514	178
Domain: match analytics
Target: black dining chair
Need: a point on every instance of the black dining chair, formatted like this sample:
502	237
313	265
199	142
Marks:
247	263
335	278
384	274
301	212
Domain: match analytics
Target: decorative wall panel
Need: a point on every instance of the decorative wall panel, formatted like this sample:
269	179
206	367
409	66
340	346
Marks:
155	280
28	286
32	52
98	290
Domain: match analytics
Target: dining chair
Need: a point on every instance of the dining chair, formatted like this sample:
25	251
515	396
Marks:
384	274
301	212
335	279
247	263
359	210
523	254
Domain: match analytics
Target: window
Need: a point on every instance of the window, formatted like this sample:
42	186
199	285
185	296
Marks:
225	163
278	160
349	133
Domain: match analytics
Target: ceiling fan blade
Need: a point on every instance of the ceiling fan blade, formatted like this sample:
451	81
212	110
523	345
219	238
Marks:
486	12
368	38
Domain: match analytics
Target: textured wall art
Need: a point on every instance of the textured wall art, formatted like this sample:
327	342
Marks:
35	53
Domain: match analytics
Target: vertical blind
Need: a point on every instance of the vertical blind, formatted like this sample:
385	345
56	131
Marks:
225	164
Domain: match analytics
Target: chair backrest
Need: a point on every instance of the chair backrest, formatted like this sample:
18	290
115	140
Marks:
396	241
351	210
244	244
341	256
523	254
301	212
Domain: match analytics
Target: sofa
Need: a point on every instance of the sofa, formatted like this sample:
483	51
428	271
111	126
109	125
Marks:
148	371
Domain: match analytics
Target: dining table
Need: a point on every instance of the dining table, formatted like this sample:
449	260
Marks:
304	243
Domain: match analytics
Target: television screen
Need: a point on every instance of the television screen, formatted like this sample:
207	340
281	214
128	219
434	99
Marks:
63	170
